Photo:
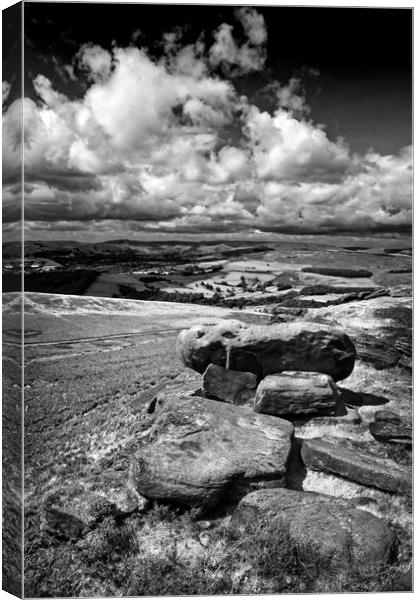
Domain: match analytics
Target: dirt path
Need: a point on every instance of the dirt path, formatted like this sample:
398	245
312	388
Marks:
94	339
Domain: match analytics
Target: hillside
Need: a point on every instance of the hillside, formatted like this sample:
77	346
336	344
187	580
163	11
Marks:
92	367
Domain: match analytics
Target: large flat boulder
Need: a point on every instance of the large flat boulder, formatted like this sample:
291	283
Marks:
198	450
235	387
296	393
267	349
326	527
341	457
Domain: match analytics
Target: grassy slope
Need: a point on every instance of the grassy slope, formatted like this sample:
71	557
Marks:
84	414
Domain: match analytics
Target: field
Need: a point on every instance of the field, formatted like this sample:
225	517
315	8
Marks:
263	274
217	271
92	366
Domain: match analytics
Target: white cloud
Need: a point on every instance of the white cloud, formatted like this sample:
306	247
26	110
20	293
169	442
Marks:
253	24
45	91
291	97
235	59
96	61
378	196
285	148
245	58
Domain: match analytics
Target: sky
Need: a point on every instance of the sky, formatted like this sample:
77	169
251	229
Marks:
176	120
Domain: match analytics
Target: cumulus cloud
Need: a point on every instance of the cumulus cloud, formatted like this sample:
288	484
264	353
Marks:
378	196
286	148
150	143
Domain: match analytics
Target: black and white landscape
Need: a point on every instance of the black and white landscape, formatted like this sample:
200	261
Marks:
218	299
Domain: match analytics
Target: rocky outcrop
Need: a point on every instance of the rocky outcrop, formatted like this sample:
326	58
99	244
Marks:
331	528
381	327
265	350
296	393
71	512
199	449
235	387
390	427
341	457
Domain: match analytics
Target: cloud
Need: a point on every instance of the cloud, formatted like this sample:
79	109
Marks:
150	143
285	148
12	142
291	97
377	197
6	87
96	61
240	59
253	24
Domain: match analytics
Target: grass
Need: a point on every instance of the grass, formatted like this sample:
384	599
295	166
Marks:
124	559
85	415
11	474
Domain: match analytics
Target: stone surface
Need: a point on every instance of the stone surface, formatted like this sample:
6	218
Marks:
401	291
125	499
329	527
296	393
267	349
199	449
341	457
70	512
390	427
381	328
235	387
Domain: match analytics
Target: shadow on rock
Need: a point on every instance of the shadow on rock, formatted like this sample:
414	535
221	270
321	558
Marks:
297	471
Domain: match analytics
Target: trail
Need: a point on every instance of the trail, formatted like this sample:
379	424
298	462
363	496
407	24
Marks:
94	339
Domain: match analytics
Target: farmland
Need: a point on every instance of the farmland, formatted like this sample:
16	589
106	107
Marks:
215	272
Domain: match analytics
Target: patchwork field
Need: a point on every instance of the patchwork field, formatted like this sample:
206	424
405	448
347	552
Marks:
270	270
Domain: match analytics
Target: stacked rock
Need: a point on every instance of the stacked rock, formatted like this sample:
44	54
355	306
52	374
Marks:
232	441
200	450
280	370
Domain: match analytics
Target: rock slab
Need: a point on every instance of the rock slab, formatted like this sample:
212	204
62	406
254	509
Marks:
198	450
332	528
390	427
340	457
296	393
70	512
267	349
235	387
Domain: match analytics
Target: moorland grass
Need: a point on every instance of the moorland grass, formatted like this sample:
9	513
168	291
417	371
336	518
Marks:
119	559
